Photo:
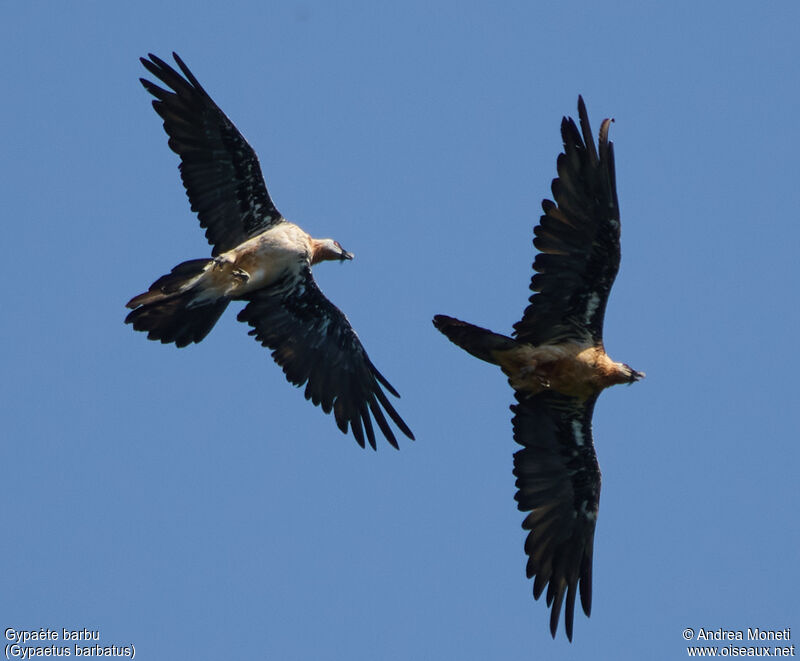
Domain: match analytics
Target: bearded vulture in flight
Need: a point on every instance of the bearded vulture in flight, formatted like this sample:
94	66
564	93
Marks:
557	366
258	257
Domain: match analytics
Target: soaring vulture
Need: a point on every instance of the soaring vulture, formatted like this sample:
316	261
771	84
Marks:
557	366
258	257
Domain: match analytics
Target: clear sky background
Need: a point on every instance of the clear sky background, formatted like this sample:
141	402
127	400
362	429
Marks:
192	503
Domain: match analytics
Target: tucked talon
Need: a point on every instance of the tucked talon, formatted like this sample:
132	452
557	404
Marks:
221	260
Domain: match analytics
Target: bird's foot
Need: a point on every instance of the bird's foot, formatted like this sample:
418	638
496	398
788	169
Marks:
220	261
240	274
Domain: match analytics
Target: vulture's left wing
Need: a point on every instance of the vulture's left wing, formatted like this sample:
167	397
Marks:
312	340
558	482
220	170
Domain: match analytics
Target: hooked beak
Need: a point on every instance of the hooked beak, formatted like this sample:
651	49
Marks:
636	376
346	256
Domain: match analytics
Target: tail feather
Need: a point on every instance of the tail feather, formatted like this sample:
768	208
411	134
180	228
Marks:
175	320
180	278
169	310
480	342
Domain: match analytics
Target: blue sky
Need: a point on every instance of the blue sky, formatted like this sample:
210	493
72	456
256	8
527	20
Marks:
191	503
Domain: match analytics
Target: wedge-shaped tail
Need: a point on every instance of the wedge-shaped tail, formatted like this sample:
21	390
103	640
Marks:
173	310
480	342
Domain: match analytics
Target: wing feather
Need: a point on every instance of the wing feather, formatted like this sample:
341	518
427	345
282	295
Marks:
314	343
219	169
558	484
578	242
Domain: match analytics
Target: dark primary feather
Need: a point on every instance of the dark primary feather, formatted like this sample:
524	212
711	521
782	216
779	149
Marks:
558	482
578	240
312	340
220	170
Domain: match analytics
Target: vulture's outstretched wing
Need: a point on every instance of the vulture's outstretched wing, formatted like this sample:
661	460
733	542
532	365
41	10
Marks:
220	171
558	483
313	342
578	240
